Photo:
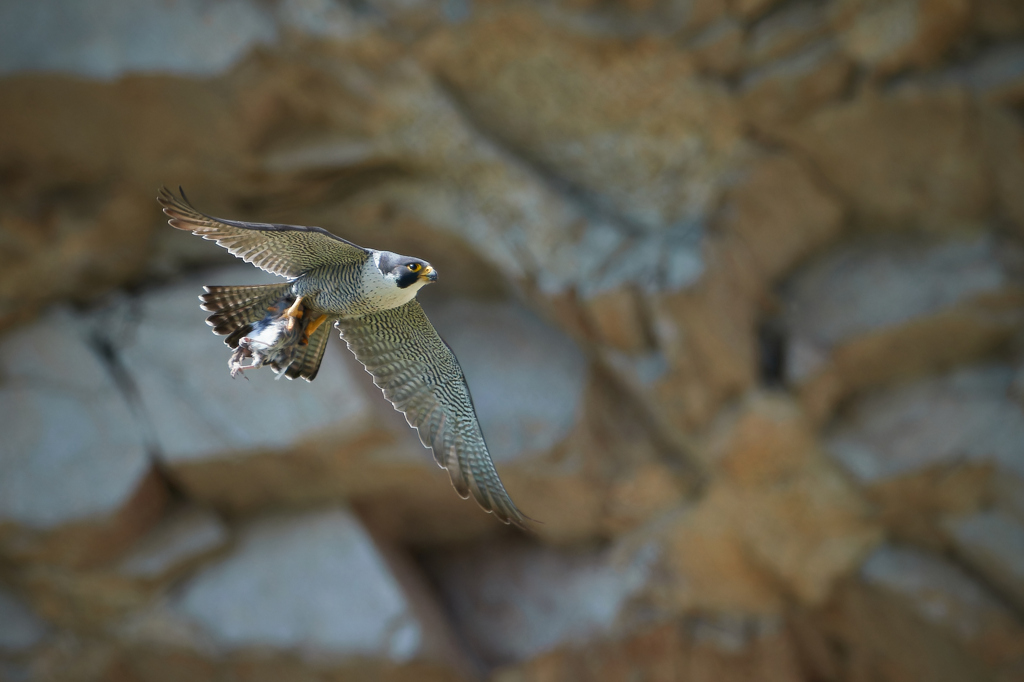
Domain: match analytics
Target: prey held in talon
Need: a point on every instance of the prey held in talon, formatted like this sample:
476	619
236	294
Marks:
369	296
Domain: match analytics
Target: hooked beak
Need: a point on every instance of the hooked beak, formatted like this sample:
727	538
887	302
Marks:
429	274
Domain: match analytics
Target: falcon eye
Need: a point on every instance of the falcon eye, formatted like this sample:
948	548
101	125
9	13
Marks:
414	267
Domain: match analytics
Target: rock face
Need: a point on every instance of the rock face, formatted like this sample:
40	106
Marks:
681	138
906	310
917	617
514	601
889	36
940	446
737	285
22	628
307	587
877	150
993	542
77	481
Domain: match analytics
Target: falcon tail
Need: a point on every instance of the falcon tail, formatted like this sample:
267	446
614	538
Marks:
236	310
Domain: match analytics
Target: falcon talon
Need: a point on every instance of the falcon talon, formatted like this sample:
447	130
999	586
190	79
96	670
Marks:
313	326
371	297
293	313
272	340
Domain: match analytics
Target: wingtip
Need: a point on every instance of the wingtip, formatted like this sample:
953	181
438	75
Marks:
166	197
521	521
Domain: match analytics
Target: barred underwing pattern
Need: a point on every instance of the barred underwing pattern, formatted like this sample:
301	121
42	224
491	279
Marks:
420	375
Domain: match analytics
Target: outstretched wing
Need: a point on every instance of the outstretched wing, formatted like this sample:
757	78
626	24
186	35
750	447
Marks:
421	377
285	250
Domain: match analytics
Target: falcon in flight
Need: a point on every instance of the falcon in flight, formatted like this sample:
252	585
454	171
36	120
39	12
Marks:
370	296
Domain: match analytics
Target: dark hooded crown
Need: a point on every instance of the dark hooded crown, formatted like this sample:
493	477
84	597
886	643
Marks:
399	266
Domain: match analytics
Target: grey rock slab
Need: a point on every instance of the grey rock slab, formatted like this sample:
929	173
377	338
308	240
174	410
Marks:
993	542
513	601
109	38
968	415
941	592
957	607
72	449
196	409
879	285
997	74
313	582
20	627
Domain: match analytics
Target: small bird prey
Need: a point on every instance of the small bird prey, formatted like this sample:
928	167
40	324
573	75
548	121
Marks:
370	296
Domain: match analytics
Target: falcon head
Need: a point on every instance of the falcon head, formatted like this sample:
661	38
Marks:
406	271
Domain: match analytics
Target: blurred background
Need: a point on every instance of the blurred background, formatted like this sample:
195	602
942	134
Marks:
737	285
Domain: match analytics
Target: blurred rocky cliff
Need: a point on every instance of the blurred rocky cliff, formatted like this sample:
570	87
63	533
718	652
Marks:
737	285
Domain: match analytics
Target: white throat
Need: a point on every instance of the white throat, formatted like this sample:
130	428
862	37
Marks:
383	290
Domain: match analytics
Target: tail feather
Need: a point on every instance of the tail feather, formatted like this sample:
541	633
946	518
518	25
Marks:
236	309
306	362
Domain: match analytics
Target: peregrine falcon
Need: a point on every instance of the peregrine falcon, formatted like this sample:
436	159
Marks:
370	296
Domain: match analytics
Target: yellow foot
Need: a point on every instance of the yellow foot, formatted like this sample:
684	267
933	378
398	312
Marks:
294	313
313	326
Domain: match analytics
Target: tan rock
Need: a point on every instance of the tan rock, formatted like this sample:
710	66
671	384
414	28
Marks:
616	319
307	594
892	36
90	600
767	438
703	650
76	482
877	311
913	159
79	220
553	96
809	530
786	90
706	349
118	129
701	564
646	491
993	543
72	658
776	215
77	248
915	616
1004	145
777	517
912	505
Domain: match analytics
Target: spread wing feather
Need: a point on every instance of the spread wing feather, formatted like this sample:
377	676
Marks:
285	250
420	375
